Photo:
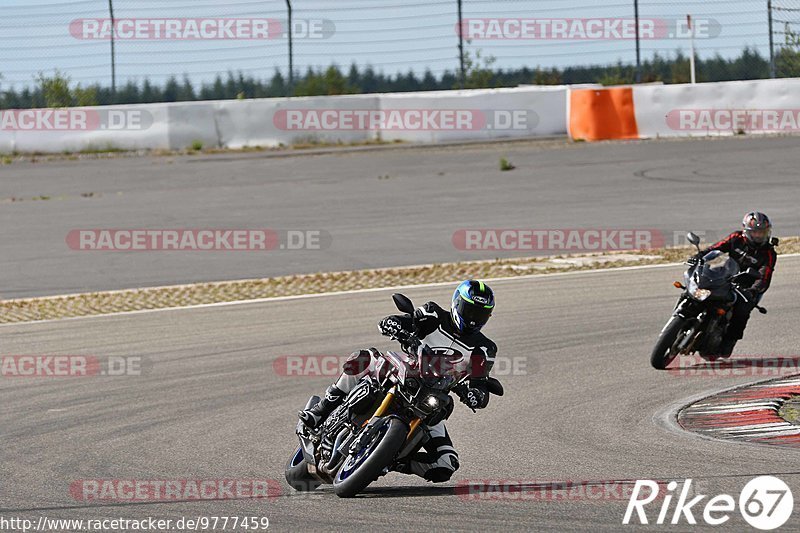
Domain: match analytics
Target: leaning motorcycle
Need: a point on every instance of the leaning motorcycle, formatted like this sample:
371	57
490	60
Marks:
385	418
711	287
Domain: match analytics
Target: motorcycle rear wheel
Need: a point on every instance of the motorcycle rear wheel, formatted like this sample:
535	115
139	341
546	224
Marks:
297	475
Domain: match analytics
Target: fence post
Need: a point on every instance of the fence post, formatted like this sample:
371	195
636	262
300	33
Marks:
771	41
290	32
638	75
113	51
462	75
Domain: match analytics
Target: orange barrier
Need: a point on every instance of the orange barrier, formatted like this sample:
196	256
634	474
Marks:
600	114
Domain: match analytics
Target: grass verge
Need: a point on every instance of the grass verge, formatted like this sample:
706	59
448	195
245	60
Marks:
790	410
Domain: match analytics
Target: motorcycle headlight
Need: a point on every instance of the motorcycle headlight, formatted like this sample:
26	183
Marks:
701	294
432	403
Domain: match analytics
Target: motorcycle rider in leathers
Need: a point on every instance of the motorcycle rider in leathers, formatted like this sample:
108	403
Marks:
446	333
752	241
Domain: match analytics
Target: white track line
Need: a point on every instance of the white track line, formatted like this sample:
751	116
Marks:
787	383
735	410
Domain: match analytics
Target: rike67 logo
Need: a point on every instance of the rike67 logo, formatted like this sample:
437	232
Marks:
765	503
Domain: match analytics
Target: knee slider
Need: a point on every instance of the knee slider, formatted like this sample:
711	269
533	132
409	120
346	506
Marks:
439	474
447	467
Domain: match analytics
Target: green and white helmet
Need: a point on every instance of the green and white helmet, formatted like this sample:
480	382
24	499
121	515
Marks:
473	303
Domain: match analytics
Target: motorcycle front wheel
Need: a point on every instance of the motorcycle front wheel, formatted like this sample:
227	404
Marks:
365	466
663	354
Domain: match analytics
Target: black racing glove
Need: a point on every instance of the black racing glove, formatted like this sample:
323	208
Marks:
393	328
749	294
390	326
744	257
474	397
424	321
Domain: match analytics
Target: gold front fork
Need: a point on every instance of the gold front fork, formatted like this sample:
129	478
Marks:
384	406
387	401
414	425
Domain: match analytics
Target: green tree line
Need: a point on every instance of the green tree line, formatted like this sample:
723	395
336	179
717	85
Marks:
57	90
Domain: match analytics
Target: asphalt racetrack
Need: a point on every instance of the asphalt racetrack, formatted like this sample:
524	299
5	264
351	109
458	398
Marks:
386	207
587	409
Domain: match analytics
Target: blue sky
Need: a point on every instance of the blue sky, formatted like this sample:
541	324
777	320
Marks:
391	35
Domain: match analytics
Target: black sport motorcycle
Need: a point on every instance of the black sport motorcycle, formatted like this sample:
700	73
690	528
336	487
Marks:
385	417
711	287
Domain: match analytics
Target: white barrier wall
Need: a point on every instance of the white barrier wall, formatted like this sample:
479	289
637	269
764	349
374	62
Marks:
413	117
475	114
276	121
760	106
126	127
188	122
724	108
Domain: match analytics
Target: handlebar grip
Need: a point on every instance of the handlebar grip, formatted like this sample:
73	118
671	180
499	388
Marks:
407	338
402	335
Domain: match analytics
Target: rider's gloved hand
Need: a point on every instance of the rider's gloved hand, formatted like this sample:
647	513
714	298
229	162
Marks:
424	320
473	395
744	257
390	326
749	294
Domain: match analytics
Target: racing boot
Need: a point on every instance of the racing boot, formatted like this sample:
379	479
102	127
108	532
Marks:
315	415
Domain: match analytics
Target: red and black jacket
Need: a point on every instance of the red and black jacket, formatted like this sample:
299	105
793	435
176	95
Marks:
765	256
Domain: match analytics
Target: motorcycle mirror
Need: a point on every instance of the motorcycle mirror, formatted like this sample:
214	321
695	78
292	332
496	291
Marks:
403	303
694	239
774	241
762	310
